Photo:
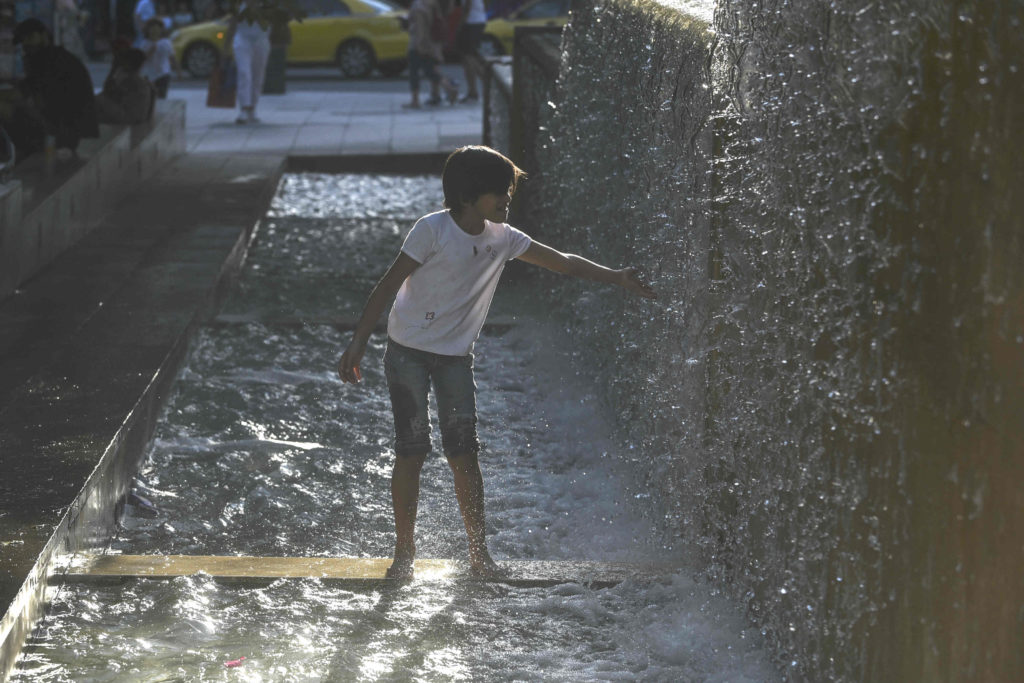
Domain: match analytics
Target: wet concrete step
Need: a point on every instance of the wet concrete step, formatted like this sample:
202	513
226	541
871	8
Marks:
352	570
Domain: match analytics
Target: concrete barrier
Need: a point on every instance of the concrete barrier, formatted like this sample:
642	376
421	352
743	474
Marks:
44	210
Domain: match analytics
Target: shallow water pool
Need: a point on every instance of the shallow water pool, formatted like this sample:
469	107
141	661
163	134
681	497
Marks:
262	451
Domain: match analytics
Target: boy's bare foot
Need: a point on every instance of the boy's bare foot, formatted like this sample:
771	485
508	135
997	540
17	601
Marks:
486	568
400	570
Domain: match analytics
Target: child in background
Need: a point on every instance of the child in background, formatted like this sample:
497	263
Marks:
127	97
426	52
444	278
183	15
159	57
163	13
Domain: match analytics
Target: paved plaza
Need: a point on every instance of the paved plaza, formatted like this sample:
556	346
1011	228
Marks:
322	114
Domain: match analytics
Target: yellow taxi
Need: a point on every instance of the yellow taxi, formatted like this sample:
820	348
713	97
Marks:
499	33
356	35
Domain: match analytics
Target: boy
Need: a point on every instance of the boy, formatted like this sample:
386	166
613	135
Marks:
159	58
444	278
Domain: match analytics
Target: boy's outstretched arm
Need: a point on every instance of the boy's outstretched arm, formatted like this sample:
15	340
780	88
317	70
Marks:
380	297
570	264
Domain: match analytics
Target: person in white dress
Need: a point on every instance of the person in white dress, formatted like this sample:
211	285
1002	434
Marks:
467	40
250	43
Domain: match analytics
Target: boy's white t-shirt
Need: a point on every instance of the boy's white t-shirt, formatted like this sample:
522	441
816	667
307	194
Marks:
159	63
441	307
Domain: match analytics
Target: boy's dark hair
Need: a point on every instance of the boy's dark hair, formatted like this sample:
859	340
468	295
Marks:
159	23
29	27
131	59
475	170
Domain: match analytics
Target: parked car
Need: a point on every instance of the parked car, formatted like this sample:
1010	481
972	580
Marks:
499	33
356	35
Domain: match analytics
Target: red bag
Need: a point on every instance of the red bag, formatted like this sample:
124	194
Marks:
223	85
438	29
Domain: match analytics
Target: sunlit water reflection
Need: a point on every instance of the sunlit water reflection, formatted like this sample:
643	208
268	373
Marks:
262	451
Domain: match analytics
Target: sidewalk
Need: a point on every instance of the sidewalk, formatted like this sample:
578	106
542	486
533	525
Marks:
322	114
315	123
90	345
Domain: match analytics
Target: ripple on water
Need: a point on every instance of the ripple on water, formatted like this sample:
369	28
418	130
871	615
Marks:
262	451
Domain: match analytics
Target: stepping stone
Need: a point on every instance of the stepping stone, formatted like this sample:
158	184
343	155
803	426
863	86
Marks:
352	570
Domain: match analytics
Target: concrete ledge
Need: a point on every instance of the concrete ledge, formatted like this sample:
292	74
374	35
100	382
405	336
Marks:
356	571
43	210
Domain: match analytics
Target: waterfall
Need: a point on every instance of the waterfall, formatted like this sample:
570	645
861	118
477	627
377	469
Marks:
829	392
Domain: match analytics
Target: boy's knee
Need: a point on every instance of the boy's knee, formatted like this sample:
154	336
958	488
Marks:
412	438
413	457
459	437
412	450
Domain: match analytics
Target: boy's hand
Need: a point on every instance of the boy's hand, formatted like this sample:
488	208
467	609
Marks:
348	365
632	282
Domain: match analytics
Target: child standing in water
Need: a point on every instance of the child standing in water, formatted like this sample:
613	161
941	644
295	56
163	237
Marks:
442	282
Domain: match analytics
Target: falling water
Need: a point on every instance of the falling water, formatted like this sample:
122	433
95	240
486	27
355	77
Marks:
829	391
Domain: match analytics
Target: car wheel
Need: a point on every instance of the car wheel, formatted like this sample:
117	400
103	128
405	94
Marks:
355	59
490	47
200	58
391	69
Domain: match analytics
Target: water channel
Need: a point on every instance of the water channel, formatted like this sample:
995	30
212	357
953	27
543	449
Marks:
262	451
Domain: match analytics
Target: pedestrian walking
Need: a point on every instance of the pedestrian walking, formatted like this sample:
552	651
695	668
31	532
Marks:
427	30
467	42
250	43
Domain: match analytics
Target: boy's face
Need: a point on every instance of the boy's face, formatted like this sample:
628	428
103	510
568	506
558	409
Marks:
493	206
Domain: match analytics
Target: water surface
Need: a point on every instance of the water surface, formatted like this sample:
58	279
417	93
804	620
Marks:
261	450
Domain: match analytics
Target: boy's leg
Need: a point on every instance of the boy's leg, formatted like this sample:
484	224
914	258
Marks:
414	78
456	407
408	376
469	491
405	495
161	84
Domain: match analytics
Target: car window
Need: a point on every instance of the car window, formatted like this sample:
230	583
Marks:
325	8
381	6
335	8
545	9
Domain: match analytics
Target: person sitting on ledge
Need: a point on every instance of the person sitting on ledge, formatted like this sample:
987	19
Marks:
54	99
127	97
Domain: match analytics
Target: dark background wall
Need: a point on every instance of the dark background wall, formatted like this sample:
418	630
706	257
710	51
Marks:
829	396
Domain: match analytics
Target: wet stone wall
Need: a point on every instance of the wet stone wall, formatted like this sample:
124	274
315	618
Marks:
829	394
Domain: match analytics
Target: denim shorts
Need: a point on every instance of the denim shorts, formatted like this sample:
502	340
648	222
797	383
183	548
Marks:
409	373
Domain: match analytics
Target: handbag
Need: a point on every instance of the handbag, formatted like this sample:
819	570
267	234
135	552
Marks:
223	84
